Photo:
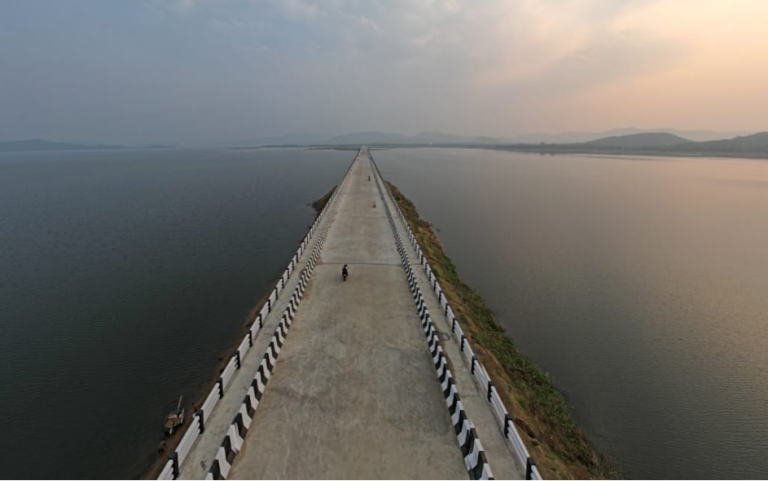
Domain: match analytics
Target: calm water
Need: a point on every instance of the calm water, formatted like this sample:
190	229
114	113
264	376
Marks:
125	276
639	284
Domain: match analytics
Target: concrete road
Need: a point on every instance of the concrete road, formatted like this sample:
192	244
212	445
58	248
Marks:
354	393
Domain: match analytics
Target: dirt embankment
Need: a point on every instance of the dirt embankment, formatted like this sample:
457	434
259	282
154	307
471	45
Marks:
542	416
319	204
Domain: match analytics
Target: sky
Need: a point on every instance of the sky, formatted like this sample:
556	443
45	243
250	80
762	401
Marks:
199	72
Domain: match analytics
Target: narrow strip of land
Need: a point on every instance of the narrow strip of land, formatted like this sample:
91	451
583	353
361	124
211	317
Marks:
475	400
354	392
201	456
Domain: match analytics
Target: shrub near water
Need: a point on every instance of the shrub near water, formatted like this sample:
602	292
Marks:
542	415
319	204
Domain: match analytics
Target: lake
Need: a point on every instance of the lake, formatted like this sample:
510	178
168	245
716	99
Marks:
126	275
639	283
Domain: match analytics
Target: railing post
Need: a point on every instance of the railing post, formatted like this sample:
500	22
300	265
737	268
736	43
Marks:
220	382
529	464
507	421
201	414
174	457
236	355
490	390
474	361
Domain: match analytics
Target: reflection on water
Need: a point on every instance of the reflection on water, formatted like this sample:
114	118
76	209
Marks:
639	286
125	275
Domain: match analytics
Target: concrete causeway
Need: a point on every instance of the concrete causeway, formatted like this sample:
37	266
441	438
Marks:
354	392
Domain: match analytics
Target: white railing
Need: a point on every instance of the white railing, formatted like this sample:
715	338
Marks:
244	346
167	472
474	456
172	467
229	371
211	400
479	372
185	445
233	440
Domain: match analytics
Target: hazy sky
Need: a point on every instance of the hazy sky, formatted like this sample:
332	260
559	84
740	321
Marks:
204	71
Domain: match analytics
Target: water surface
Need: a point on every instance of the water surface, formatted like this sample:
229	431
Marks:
125	276
638	283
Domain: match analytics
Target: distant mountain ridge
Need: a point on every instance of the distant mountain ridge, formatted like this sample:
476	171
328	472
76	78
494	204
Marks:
629	138
422	138
298	139
638	141
576	137
372	137
435	137
749	143
359	138
657	143
39	145
36	145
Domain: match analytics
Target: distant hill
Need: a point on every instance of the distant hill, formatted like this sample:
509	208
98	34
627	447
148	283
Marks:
755	143
39	145
703	135
485	140
576	137
658	143
639	141
359	138
372	137
274	140
437	138
422	138
440	138
659	138
33	145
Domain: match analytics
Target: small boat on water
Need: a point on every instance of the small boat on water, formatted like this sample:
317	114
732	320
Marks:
174	419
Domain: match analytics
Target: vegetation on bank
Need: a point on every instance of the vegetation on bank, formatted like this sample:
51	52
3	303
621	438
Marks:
543	417
319	204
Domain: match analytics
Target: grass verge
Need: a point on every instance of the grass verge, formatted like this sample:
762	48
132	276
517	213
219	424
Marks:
559	447
319	204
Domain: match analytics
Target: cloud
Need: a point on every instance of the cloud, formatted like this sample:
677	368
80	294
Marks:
491	67
171	6
485	59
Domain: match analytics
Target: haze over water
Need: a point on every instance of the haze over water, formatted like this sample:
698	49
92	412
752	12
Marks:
639	284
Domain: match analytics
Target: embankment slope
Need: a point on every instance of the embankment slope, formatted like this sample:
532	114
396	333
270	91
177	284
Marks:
560	448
